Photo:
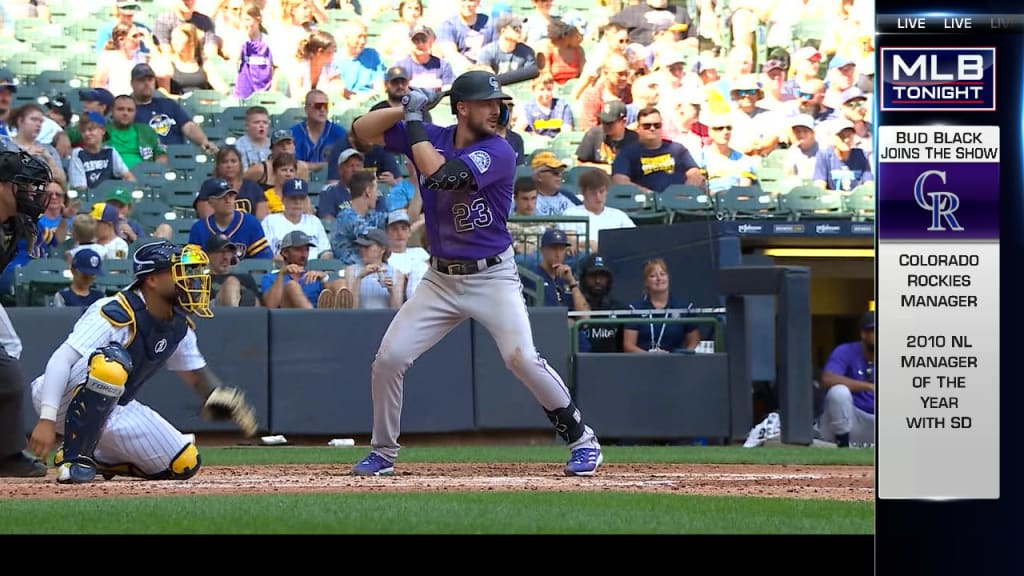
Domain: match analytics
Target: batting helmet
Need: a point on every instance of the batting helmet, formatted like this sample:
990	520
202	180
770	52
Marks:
189	267
476	85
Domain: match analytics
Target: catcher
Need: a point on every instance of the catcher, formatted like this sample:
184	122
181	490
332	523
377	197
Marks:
88	390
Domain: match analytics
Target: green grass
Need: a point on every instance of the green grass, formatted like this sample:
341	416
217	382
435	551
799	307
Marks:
639	454
461	512
438	513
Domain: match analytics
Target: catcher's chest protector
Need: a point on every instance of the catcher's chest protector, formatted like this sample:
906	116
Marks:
151	341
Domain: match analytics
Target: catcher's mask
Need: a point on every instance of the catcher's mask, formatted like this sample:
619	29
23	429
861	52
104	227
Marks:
190	270
30	176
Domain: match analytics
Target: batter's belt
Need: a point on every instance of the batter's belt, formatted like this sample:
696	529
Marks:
459	267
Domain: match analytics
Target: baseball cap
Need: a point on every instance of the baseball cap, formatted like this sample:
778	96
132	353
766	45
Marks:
852	93
141	71
101	95
804	120
546	161
839	125
214	188
87	261
280	136
745	82
296	238
611	111
773	64
807	53
91	117
839	61
122	195
398	216
219	242
373	236
508	19
7	81
295	187
349	153
395	73
128	5
867	321
554	237
105	212
420	29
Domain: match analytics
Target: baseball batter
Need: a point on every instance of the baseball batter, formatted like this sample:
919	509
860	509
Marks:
22	200
466	177
88	390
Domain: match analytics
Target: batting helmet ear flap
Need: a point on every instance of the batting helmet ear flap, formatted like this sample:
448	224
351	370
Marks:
503	114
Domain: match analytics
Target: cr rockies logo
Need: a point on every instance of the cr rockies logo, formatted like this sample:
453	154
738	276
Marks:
941	204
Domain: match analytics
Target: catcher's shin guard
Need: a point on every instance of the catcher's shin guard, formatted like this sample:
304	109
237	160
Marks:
90	406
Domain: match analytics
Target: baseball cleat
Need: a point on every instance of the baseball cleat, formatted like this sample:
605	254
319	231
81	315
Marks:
21	465
81	471
584	462
373	465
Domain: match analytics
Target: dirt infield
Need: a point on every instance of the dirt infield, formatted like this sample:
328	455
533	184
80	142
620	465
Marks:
851	483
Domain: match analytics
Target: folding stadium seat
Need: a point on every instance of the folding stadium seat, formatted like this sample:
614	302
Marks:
685	202
287	118
639	206
860	202
62	81
813	202
39	279
742	202
151	213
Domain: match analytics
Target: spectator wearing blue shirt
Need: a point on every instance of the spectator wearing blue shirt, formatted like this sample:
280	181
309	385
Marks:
315	136
653	163
243	229
426	70
560	286
658	336
546	115
357	219
361	68
86	265
294	286
165	116
841	166
460	37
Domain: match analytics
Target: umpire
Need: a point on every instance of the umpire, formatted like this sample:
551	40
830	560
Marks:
22	200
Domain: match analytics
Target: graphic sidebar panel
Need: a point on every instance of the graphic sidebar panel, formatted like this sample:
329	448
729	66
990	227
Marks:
938	273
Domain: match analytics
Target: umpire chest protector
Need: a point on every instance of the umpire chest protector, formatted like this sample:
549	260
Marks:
150	341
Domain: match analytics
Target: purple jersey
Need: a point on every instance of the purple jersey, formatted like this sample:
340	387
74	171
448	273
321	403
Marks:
466	226
848	360
255	69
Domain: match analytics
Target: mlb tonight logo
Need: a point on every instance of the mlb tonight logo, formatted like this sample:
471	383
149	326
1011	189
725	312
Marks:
938	79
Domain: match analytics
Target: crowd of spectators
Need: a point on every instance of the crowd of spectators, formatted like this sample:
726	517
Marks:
650	94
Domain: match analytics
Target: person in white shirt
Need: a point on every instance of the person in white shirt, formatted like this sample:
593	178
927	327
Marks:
108	244
593	185
412	262
295	196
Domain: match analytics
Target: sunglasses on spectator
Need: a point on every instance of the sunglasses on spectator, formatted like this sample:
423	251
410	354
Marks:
651	125
720	128
805	95
747	93
321	105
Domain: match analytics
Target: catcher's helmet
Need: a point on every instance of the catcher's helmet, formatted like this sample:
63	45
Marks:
189	267
476	85
30	175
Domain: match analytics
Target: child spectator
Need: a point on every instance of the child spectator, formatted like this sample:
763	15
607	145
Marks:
95	162
256	67
85	267
108	220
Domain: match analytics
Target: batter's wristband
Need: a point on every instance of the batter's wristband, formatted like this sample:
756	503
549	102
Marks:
416	132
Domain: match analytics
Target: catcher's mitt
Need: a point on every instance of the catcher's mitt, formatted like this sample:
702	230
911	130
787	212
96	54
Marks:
226	403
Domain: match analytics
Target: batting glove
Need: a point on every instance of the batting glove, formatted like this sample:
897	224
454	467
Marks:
418	101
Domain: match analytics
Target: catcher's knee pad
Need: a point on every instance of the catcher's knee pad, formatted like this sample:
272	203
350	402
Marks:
186	464
94	400
568	422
